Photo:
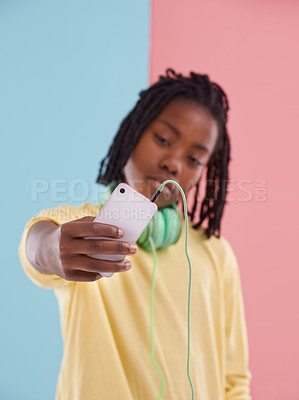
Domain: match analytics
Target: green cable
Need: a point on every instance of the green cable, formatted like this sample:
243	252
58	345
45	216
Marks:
153	290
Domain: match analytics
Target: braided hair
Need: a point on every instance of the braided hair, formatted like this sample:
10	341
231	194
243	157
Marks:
195	87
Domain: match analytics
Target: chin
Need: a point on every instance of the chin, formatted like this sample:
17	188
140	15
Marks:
162	203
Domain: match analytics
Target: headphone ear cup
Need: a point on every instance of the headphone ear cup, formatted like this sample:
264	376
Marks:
179	225
165	229
172	222
155	229
159	230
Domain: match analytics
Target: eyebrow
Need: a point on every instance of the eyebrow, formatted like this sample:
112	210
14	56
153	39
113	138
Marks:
178	134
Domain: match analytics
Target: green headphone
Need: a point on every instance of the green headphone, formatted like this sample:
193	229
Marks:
165	228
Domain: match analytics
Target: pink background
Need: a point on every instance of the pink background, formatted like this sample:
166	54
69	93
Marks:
251	49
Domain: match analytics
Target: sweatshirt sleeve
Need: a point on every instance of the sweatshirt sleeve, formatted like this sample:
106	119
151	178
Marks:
238	375
45	280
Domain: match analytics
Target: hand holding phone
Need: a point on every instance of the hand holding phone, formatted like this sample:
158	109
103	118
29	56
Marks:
63	249
129	210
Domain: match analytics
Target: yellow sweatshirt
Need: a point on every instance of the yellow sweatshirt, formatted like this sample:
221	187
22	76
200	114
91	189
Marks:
106	324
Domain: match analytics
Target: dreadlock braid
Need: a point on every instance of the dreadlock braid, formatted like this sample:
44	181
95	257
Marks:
210	95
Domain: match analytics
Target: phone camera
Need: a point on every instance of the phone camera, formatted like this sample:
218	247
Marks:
122	190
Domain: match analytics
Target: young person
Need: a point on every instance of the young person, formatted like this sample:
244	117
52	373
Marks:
177	130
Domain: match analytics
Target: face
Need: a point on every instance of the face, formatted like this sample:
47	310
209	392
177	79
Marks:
177	145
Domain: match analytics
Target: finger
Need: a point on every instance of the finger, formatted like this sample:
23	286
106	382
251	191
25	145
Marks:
93	246
89	264
92	229
83	276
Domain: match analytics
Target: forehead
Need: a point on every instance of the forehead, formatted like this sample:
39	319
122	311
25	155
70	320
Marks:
191	119
187	112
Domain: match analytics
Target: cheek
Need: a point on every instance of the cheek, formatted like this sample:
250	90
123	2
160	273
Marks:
130	170
144	153
194	179
136	163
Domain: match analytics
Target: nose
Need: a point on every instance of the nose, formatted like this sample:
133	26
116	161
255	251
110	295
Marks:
171	164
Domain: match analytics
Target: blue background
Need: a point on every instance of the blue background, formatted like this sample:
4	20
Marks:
69	72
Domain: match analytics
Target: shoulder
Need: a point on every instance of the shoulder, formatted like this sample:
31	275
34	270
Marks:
65	212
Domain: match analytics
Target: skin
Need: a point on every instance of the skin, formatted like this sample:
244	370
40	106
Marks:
163	154
160	153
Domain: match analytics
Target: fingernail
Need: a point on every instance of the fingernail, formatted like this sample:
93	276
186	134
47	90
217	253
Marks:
120	232
128	265
133	248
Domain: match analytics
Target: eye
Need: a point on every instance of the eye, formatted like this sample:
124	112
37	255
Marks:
161	139
194	161
164	142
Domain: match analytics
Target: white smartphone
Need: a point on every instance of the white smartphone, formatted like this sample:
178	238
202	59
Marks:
128	210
